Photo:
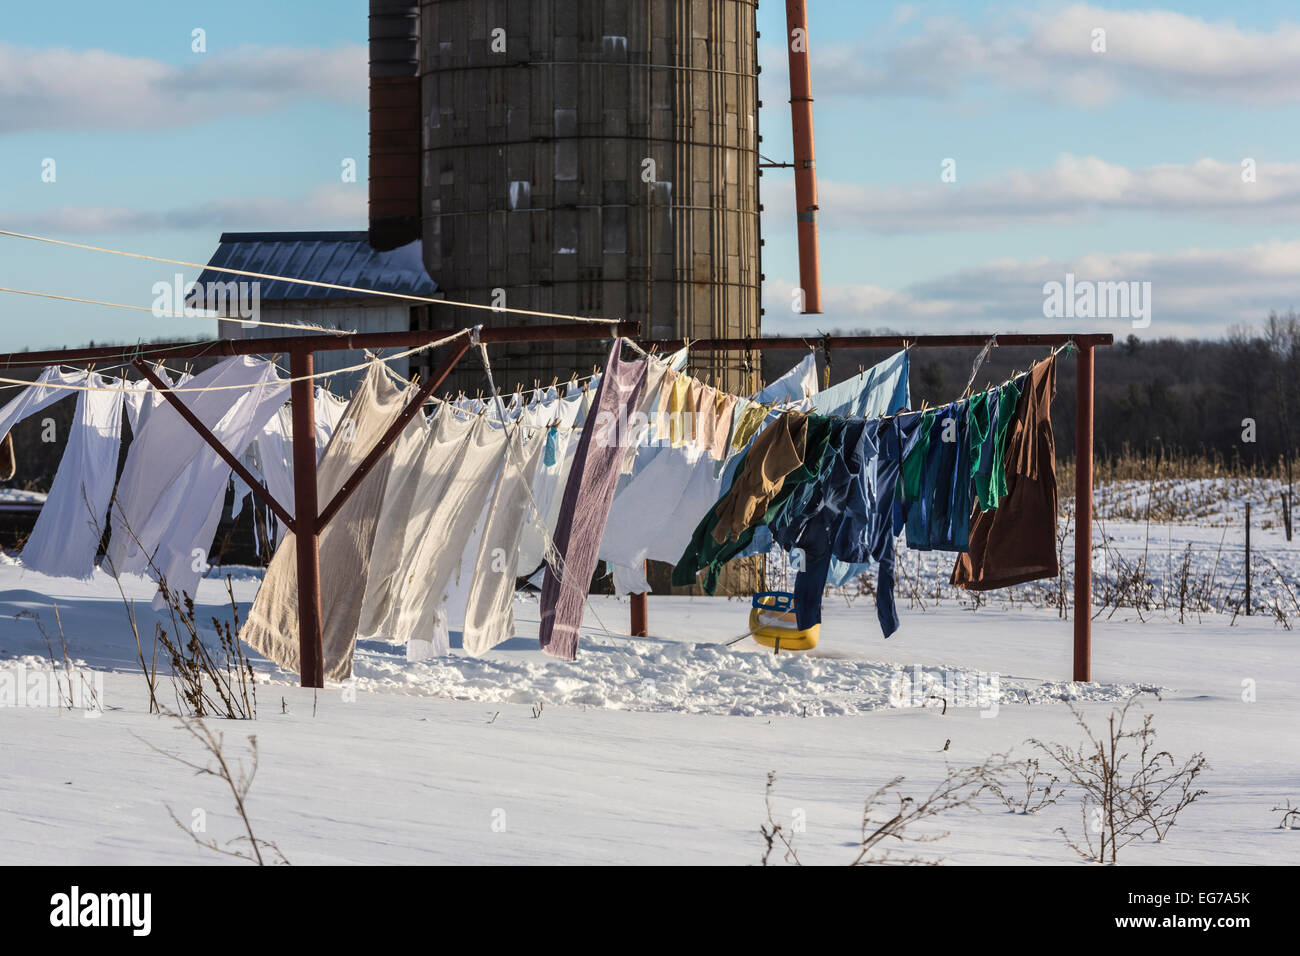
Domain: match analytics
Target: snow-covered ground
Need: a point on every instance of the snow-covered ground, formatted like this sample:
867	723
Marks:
644	750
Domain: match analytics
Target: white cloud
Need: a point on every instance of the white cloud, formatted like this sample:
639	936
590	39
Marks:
338	206
60	88
1148	52
1074	189
1194	292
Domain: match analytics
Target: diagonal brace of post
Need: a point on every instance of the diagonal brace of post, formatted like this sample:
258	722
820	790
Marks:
386	440
226	455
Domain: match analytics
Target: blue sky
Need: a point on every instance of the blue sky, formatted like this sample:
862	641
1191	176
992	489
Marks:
1115	165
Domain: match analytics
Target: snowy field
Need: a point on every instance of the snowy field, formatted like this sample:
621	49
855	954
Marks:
647	750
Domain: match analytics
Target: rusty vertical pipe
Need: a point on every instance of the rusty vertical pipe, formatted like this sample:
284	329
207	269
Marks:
640	627
805	162
1247	559
311	665
1083	517
640	616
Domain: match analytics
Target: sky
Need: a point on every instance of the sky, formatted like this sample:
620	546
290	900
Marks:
969	154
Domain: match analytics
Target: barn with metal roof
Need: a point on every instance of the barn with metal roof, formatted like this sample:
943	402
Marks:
334	258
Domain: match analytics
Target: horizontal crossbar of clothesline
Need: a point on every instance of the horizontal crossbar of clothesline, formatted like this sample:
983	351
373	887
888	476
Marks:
778	343
314	343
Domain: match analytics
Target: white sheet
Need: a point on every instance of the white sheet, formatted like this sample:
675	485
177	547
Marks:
66	536
41	394
548	483
169	498
407	455
489	609
445	518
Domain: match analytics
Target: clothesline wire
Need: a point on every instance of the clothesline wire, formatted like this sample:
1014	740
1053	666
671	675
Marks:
1004	384
361	366
457	408
309	282
299	326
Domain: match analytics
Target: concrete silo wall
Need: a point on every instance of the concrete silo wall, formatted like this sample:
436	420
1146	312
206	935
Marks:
594	157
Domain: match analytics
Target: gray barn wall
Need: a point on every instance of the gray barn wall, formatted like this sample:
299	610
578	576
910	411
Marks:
532	171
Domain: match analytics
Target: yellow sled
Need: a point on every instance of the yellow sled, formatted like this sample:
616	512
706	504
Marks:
772	623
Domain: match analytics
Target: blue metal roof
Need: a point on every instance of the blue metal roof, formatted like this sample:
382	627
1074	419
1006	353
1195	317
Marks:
340	258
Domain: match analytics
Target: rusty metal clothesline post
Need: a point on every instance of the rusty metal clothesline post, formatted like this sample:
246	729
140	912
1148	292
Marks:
306	514
1083	515
1084	343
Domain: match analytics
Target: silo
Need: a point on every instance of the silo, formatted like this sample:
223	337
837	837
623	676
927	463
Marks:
593	157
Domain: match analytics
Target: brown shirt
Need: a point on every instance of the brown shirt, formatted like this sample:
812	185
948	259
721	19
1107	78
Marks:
777	451
1016	541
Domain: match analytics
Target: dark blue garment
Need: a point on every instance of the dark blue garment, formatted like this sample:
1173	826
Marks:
940	519
955	535
852	532
805	501
808	523
885	516
884	484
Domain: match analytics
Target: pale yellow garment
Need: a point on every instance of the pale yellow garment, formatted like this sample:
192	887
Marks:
679	402
709	407
663	405
723	406
701	407
640	432
751	420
